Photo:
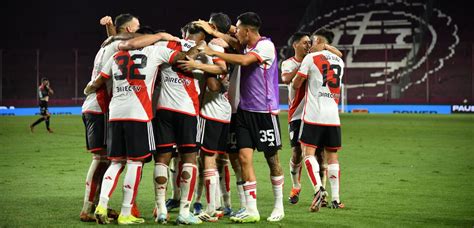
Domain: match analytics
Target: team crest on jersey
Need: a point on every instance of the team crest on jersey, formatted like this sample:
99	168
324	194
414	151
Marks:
366	32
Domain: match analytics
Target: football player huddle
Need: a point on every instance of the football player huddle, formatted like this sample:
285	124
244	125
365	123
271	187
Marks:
199	103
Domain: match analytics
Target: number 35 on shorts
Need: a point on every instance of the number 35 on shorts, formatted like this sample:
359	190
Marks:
267	135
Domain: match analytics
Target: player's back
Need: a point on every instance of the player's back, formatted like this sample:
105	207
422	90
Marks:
133	73
324	74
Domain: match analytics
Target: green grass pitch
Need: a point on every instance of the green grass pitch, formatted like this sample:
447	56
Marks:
396	170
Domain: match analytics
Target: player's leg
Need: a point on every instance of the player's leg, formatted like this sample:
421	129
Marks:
43	112
224	182
310	139
116	152
322	161
140	145
38	121
334	173
160	180
186	139
165	141
233	153
197	206
295	161
48	116
175	169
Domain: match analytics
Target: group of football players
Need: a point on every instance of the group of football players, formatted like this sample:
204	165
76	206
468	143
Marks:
199	103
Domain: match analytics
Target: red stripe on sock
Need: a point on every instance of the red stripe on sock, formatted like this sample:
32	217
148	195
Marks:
309	167
192	184
208	186
115	182
227	178
137	182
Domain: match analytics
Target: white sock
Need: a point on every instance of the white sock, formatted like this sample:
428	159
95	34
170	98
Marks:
90	185
109	182
224	183
240	188
277	185
130	185
250	189
218	190
187	188
161	170
295	170
334	175
210	181
312	167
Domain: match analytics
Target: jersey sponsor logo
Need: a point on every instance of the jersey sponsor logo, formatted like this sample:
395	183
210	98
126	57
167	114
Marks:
184	81
329	95
129	88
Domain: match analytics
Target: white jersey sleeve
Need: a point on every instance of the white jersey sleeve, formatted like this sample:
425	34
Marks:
295	96
264	51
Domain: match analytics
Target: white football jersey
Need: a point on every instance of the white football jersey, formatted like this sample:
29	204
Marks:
295	97
98	102
134	73
323	71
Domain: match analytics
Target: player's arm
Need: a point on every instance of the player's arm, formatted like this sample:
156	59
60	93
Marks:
189	64
109	25
213	83
232	41
144	40
303	72
333	50
92	86
288	76
299	80
238	59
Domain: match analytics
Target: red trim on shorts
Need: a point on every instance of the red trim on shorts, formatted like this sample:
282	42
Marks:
175	110
187	145
214	119
165	145
97	149
92	112
116	158
332	149
139	158
128	119
321	124
307	144
212	151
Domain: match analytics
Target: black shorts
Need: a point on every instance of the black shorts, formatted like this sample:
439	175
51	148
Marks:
258	130
213	136
130	140
318	136
174	128
96	131
231	137
43	108
294	130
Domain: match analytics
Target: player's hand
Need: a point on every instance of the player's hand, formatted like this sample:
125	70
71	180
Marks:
89	88
232	30
219	42
207	50
205	25
187	65
107	20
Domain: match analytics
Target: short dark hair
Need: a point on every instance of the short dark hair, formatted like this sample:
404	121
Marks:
296	37
122	19
185	28
194	29
250	19
328	34
43	79
221	21
145	30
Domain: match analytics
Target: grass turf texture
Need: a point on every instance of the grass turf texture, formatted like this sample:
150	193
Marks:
396	170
